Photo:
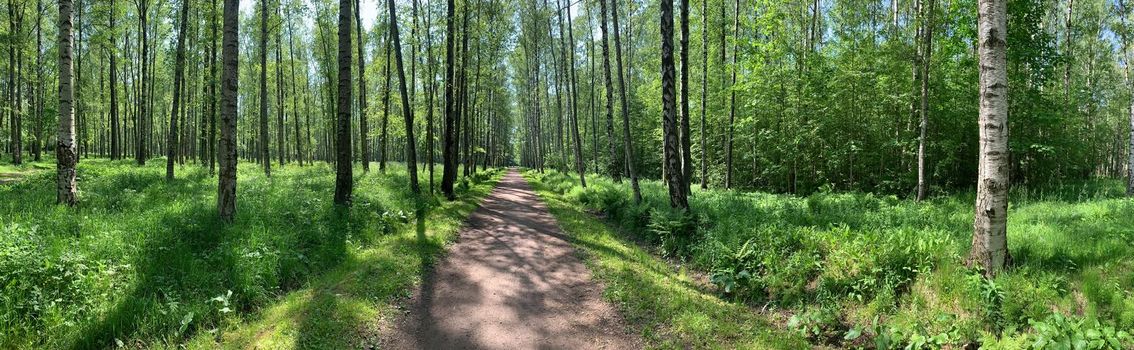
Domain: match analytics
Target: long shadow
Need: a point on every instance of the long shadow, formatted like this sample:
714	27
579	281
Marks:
514	252
191	257
162	271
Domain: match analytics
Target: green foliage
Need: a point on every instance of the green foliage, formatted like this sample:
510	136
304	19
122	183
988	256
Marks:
855	269
145	261
1061	333
674	231
669	307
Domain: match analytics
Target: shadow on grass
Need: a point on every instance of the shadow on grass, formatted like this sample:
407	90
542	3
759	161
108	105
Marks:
341	307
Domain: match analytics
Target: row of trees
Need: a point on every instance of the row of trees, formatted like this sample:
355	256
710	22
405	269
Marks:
849	94
794	96
185	59
865	95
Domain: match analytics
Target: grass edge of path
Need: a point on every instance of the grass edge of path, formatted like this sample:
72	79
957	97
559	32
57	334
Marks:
663	303
345	307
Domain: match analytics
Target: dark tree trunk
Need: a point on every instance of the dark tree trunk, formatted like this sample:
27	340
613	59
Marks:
627	141
673	173
383	142
115	146
615	171
686	151
344	174
299	156
211	144
570	65
226	189
172	143
732	99
407	110
142	125
15	16
449	151
429	96
37	146
704	90
262	143
362	125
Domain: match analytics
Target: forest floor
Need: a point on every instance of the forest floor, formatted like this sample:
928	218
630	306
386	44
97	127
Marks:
513	280
12	173
143	262
854	270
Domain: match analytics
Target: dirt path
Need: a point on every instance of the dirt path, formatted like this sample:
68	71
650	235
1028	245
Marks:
512	281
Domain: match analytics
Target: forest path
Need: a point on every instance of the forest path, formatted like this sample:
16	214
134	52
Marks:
511	281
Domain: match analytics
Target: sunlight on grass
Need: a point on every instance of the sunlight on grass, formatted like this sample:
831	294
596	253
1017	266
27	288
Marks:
144	262
858	269
668	307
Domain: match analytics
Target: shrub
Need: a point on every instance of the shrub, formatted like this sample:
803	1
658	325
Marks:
674	230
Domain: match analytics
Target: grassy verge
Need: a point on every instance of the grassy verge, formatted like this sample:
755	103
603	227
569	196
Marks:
143	262
858	270
11	173
670	309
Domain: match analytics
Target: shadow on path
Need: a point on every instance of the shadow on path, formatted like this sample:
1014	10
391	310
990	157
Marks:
512	281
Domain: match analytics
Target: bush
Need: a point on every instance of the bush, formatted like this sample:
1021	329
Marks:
675	231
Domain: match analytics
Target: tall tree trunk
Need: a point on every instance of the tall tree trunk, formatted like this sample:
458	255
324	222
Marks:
172	144
990	239
143	126
432	86
704	90
927	54
212	119
557	76
615	171
1127	55
263	142
80	111
299	156
686	148
627	141
449	171
407	108
463	95
345	174
673	172
281	87
383	142
226	150
14	46
115	146
1067	53
362	125
579	164
37	147
594	119
732	96
65	153
470	123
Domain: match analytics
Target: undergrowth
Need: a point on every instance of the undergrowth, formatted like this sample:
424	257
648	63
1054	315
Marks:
144	262
863	270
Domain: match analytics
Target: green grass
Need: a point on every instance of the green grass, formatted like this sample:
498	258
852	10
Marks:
667	305
144	262
10	172
854	269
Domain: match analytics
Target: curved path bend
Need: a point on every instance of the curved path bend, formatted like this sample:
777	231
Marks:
511	281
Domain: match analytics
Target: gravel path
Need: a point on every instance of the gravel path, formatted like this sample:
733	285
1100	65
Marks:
512	281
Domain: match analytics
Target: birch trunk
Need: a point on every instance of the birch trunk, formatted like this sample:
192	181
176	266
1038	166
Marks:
990	243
